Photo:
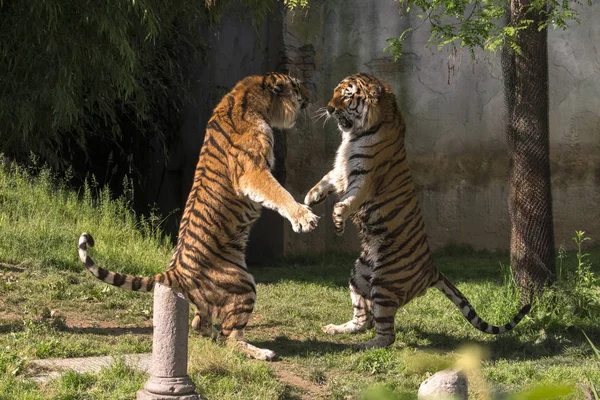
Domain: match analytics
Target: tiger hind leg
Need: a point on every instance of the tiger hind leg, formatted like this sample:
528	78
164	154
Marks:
232	328
202	323
363	312
385	305
237	341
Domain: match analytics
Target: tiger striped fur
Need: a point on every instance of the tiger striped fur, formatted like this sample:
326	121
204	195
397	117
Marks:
373	179
232	180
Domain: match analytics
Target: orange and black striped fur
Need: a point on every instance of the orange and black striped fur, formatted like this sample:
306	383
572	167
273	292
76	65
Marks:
372	178
232	180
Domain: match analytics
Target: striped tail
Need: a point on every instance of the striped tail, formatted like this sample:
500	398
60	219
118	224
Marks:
451	292
129	282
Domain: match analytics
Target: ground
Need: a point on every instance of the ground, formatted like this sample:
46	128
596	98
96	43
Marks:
48	313
50	307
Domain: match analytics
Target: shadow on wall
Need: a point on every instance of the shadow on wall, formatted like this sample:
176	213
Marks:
454	112
234	50
455	118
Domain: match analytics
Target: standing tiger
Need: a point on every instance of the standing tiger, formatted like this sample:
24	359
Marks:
232	180
376	189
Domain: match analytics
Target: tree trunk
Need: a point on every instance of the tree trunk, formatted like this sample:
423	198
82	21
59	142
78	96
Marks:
532	251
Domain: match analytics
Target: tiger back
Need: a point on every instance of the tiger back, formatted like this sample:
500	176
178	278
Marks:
373	181
232	181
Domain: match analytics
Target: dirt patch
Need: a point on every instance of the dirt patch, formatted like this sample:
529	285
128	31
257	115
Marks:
75	322
8	316
10	268
309	390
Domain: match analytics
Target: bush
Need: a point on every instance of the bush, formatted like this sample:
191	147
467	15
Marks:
574	299
41	220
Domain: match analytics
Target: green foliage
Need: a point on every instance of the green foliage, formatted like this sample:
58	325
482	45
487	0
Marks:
295	4
480	23
375	361
589	377
115	382
41	220
474	23
574	297
222	373
76	70
543	392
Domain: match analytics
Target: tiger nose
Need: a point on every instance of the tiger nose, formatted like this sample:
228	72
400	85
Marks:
330	109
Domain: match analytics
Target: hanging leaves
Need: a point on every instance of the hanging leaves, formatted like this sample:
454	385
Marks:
480	23
70	70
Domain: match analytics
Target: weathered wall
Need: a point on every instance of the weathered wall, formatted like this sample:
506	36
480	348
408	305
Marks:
454	110
234	50
455	116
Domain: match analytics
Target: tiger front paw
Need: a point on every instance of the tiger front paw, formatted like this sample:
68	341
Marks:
303	220
316	195
339	218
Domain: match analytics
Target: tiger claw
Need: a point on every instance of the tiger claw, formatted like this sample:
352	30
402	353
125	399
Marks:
339	221
304	220
315	196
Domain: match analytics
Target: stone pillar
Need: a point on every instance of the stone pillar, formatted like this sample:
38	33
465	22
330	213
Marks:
168	372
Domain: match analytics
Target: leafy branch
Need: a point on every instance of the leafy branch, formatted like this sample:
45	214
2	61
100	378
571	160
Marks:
478	23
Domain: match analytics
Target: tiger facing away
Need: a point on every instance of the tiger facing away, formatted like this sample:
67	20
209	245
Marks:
232	180
372	178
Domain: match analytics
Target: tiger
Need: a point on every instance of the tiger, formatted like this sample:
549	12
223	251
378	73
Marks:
373	181
232	181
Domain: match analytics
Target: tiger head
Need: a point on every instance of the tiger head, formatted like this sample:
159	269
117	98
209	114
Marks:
357	102
288	98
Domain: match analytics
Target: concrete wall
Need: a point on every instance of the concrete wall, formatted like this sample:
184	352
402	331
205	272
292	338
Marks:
234	50
455	116
454	110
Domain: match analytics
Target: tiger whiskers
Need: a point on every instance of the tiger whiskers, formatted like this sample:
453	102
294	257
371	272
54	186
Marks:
321	113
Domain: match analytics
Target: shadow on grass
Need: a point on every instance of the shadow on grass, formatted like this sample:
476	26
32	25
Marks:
287	347
509	347
458	264
334	270
6	328
9	327
109	331
335	275
513	347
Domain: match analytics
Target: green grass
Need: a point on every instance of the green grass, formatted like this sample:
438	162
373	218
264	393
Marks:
39	228
40	224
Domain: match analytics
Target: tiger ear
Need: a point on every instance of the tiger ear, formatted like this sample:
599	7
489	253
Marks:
375	92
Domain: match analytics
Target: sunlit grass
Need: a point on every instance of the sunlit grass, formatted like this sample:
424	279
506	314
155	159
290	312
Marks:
40	222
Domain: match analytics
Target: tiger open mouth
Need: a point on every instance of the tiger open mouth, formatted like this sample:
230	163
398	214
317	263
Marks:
344	122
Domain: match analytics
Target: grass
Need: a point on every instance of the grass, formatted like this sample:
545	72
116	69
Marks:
41	220
50	307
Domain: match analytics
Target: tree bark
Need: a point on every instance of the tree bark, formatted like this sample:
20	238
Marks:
532	250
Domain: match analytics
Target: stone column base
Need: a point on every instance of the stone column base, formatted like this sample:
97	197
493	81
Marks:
180	388
146	395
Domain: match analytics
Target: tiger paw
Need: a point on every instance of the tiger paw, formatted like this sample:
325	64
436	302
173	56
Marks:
252	351
316	195
378	341
208	331
332	329
303	220
339	218
348	327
